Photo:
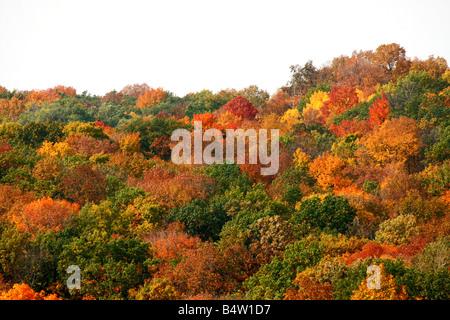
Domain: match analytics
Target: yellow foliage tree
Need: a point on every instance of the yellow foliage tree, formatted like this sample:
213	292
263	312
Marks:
55	150
130	143
387	291
301	159
312	109
395	140
291	117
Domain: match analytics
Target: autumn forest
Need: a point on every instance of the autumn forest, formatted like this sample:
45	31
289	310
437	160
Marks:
363	179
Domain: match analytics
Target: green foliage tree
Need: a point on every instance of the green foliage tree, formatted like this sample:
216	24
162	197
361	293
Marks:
272	280
201	218
63	110
333	213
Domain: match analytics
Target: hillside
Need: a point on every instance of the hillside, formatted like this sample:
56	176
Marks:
363	179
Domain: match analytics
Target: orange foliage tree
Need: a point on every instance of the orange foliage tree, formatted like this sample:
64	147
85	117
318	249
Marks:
208	121
22	291
396	139
309	288
65	91
46	214
49	95
357	71
13	200
392	59
171	189
188	263
12	108
197	272
327	169
150	98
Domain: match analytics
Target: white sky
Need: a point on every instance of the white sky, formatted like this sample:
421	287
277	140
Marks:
186	46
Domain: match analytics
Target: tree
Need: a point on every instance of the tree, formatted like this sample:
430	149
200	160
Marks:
271	235
150	98
388	291
64	110
150	130
83	144
174	190
112	96
208	120
392	58
415	96
201	218
13	201
35	133
22	291
328	169
395	140
197	272
339	99
129	143
397	231
87	129
155	289
272	280
55	150
135	90
333	213
111	265
255	96
435	67
308	288
241	107
305	77
82	183
311	112
358	71
46	214
379	110
12	108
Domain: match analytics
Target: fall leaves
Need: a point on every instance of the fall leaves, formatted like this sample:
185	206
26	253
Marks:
363	180
45	214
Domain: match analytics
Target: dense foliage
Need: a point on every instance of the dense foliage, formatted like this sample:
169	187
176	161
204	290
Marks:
364	179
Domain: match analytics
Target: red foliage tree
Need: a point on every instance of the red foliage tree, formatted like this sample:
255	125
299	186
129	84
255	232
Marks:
82	184
347	127
88	145
4	146
379	111
340	99
241	107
